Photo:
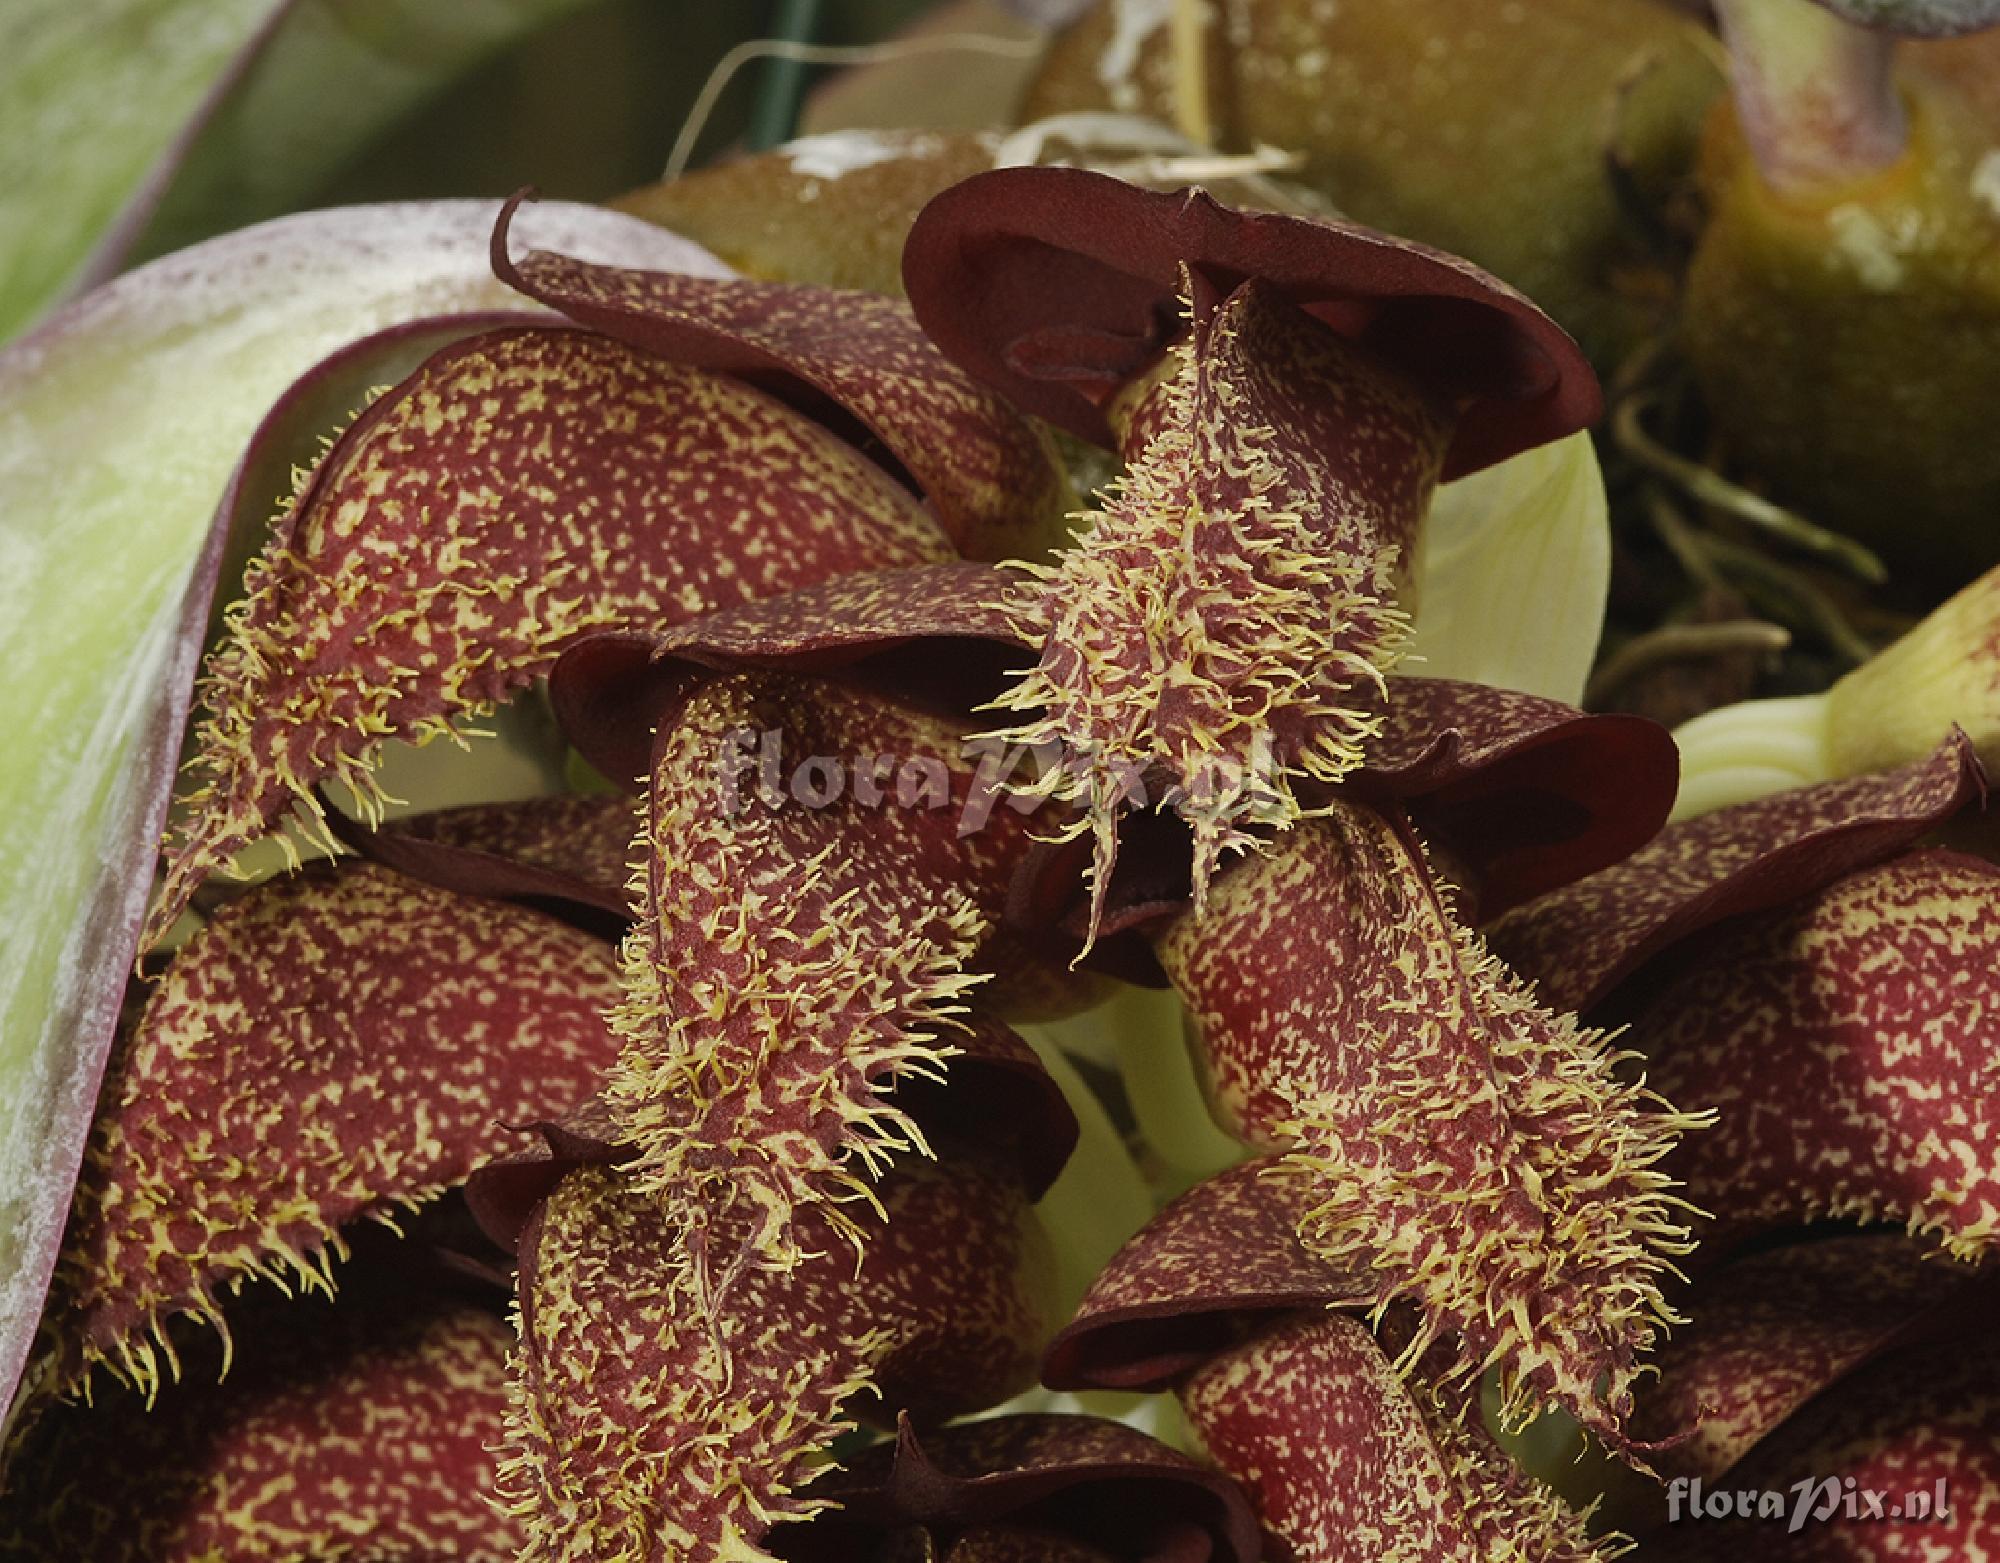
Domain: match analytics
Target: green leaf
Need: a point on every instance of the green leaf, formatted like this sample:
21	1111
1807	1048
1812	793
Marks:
133	127
1515	570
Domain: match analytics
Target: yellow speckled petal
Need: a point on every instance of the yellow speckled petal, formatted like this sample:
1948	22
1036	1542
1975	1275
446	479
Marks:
1845	1045
1349	1462
1921	1424
811	920
343	1432
519	489
990	476
1768	1332
331	1048
1479	1151
1581	941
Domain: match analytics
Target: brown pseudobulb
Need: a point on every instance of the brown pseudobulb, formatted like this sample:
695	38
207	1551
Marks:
1486	130
1846	332
829	209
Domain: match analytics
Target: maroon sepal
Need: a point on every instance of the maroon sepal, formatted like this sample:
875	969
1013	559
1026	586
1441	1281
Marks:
1515	794
1215	1263
361	1428
1917	1427
1060	286
855	361
1581	942
1527	794
1845	1047
563	849
1773	1330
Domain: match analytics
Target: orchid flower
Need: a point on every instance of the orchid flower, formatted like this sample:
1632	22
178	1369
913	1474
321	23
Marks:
724	1071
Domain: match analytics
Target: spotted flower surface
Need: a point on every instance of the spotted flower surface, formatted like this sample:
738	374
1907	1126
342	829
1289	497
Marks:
698	1152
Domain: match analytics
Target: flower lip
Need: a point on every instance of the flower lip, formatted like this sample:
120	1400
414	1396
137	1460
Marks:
1058	286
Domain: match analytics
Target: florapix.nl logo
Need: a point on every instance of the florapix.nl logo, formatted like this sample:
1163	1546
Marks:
1812	1500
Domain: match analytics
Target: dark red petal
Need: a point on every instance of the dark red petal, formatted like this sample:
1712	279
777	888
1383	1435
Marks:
1225	626
341	1433
989	475
946	630
815	906
1528	794
1217	1261
1845	1046
1058	286
1479	1151
559	848
1070	1480
1768	1332
503	1196
1580	942
1921	1424
518	490
661	1420
1347	1461
335	1047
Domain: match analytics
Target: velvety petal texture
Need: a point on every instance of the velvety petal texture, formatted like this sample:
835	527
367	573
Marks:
1916	1427
1525	793
943	631
567	847
1772	1330
1223	1258
1057	285
143	397
335	1047
1881	991
519	489
1484	1154
1348	1461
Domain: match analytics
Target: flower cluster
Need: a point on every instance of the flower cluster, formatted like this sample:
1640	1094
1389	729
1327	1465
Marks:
724	1085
